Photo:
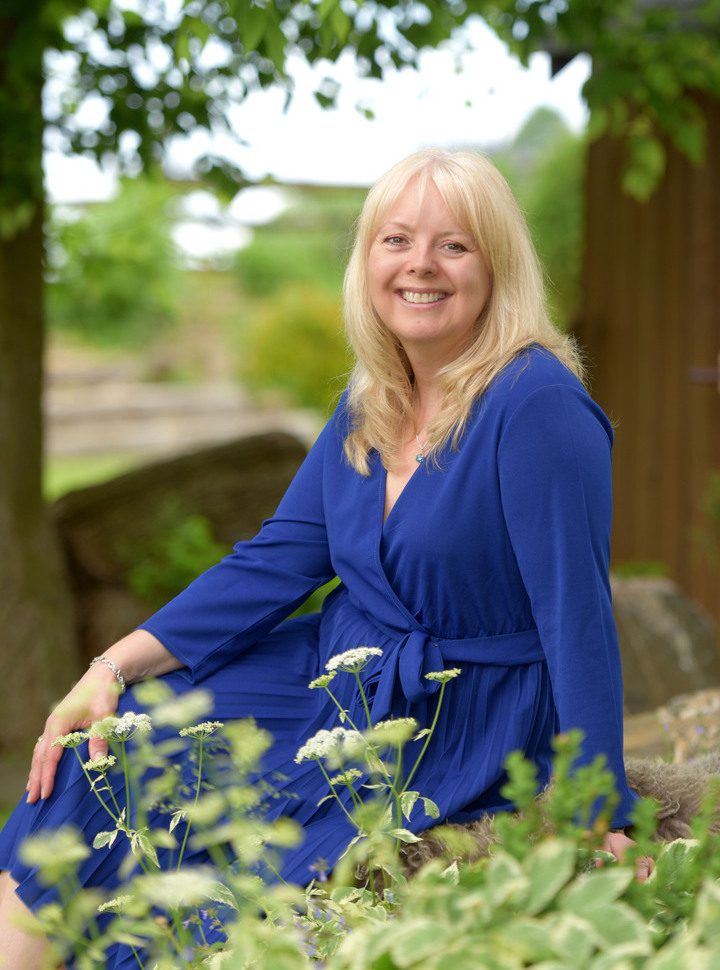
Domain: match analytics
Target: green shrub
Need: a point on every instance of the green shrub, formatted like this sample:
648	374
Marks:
181	547
295	347
114	271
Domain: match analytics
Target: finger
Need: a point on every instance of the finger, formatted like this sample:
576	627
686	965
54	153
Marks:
33	782
53	754
97	747
643	868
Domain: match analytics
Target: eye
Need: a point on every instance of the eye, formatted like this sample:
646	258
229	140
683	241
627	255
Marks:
455	247
394	240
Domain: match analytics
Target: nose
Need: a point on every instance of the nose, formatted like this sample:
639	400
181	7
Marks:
422	259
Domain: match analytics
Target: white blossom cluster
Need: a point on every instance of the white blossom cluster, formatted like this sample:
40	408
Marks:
443	676
352	661
202	730
325	743
394	731
102	763
121	728
72	740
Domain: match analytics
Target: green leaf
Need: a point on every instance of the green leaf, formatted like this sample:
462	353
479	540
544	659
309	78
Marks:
548	868
404	835
175	819
103	839
595	889
505	880
252	27
572	938
431	809
407	802
528	939
617	924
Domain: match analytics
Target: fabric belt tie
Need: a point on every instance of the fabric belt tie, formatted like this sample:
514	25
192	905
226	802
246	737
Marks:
418	653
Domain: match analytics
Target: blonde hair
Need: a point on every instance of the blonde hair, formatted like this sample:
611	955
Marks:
515	316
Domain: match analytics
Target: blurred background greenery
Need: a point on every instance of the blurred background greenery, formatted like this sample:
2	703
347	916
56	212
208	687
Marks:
119	287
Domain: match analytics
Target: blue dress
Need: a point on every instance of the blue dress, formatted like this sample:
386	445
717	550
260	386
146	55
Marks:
495	562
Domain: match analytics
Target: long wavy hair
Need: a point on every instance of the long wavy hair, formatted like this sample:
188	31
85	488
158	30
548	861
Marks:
515	316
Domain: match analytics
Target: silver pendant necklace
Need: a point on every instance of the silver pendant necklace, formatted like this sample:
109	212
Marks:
420	456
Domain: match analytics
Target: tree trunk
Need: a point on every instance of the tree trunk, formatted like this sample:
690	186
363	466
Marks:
38	657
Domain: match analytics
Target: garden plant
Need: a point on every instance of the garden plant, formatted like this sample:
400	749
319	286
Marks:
545	896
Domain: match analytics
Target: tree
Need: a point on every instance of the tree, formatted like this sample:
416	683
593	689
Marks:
159	69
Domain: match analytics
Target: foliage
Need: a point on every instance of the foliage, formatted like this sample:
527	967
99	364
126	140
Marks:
545	167
276	257
114	268
294	346
180	547
160	69
538	899
640	567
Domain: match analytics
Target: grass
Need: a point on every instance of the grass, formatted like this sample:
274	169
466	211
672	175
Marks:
76	471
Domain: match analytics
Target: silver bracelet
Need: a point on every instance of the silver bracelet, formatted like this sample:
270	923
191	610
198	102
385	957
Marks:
115	669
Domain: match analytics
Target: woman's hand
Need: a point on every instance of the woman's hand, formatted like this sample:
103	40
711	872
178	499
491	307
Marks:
618	843
94	697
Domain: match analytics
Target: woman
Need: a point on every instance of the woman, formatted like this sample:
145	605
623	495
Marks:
461	492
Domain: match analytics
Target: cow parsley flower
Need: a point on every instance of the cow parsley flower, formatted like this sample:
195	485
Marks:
322	681
443	676
202	730
395	731
102	763
353	661
72	740
121	728
323	744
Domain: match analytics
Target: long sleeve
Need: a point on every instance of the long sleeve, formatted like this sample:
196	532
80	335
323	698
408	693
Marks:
554	462
238	601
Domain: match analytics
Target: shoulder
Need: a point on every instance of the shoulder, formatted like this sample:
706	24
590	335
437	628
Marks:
536	383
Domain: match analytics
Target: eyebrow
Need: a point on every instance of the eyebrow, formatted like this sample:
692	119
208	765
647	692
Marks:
445	232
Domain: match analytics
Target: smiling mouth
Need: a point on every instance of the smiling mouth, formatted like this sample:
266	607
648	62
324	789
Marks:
413	296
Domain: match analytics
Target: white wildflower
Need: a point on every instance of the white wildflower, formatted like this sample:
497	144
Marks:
121	728
102	763
346	777
394	731
53	853
352	661
443	676
179	711
324	743
115	905
202	730
72	740
321	681
170	890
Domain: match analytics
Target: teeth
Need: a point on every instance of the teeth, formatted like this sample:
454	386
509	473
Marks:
413	297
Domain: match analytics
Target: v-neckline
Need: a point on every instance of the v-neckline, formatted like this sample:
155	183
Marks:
384	519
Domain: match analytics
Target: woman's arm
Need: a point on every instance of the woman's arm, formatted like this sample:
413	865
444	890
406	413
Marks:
555	478
95	696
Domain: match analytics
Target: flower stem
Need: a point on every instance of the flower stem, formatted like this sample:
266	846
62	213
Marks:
335	794
194	804
364	698
428	738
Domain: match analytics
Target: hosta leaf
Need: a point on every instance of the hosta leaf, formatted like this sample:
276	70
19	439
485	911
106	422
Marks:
616	924
504	880
548	867
431	809
528	939
595	889
572	938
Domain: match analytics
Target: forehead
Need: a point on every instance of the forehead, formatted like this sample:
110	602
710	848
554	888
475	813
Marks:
420	200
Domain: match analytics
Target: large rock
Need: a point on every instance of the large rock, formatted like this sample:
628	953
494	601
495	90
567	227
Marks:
107	528
669	644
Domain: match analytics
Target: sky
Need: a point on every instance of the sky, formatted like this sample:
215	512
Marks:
483	105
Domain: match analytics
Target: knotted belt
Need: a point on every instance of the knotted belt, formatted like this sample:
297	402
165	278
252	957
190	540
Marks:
417	652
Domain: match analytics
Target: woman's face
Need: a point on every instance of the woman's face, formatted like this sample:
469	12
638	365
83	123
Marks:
428	280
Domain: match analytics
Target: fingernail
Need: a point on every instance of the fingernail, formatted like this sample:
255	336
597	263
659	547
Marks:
42	793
